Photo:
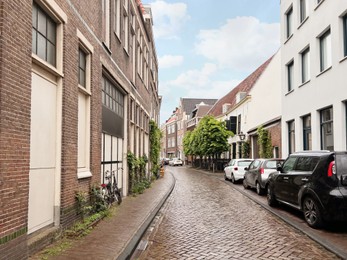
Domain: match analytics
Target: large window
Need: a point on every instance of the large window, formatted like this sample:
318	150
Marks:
327	135
112	98
106	21
117	17
82	66
290	76
44	35
303	10
291	137
126	25
325	50
305	65
344	20
289	22
306	122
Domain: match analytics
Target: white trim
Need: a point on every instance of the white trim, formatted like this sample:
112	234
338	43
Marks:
84	174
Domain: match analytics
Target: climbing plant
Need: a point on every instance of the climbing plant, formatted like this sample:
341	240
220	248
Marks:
264	142
154	139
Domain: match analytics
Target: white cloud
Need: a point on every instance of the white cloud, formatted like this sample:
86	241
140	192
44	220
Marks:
168	18
169	61
242	43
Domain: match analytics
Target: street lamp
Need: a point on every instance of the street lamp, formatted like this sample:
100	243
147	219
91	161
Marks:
242	136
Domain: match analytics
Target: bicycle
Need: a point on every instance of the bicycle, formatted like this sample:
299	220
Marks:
110	190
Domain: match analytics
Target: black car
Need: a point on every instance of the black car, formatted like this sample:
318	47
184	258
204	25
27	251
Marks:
314	182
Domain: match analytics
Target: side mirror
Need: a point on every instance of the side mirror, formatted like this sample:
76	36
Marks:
344	180
279	168
246	168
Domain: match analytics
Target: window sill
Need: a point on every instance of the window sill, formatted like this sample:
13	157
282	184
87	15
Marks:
117	36
318	5
45	65
287	40
289	92
107	48
84	174
84	90
343	59
303	84
126	52
324	71
303	22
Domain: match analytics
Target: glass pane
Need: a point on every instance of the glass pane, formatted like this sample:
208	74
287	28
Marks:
41	46
82	59
42	23
51	31
289	164
50	53
34	41
82	78
34	16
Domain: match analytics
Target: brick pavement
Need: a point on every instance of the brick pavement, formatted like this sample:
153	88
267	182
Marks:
116	237
206	219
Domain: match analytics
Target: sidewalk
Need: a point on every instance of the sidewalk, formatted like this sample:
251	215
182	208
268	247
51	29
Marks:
117	237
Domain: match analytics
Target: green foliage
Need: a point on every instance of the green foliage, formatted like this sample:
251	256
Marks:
83	206
264	142
154	139
246	148
210	138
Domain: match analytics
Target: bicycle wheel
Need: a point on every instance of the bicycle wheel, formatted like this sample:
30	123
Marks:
117	196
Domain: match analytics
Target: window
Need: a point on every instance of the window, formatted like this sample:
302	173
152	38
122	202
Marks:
133	44
106	21
82	63
327	136
290	75
325	50
306	164
239	124
291	137
289	22
117	17
306	121
303	10
126	26
44	35
112	98
344	20
288	165
305	65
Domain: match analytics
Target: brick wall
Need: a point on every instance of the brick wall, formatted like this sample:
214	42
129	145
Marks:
15	92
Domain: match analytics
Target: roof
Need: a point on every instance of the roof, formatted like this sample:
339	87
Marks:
245	86
189	104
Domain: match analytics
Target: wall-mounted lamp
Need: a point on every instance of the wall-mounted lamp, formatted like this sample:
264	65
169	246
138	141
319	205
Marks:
242	136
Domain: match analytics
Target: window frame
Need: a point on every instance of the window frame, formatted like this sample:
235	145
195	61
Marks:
291	136
324	123
344	34
289	22
290	75
306	68
303	10
325	50
307	130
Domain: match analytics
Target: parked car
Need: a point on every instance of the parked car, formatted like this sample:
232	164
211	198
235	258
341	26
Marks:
166	161
176	162
314	182
235	169
256	175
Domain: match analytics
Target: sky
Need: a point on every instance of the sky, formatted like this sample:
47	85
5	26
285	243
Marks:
205	48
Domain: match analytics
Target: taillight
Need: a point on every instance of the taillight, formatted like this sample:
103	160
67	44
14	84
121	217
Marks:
103	185
261	170
235	168
331	169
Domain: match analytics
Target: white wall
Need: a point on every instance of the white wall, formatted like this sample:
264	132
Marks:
323	89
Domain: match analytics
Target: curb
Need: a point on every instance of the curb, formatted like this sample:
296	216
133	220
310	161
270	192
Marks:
132	244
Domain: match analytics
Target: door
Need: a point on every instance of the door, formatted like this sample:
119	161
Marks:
43	153
282	187
253	172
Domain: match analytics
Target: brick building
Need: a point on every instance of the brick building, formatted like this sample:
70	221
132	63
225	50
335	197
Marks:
78	86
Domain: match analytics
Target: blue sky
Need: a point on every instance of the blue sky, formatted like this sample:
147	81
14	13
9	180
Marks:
206	47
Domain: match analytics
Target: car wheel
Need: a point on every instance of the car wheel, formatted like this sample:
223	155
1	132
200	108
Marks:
245	185
233	178
271	199
312	212
260	190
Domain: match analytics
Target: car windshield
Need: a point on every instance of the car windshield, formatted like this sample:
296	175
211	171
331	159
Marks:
244	163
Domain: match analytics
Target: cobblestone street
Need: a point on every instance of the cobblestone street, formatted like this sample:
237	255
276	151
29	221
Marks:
205	218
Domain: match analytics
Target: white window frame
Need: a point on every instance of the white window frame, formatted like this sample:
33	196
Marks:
117	17
290	75
84	94
289	22
305	65
325	50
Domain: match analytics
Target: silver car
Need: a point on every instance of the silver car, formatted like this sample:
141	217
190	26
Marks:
257	174
235	169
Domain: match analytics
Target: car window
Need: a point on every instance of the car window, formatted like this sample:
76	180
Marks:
306	164
244	163
273	164
255	164
289	164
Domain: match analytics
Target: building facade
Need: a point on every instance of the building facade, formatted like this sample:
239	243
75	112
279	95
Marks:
314	51
78	88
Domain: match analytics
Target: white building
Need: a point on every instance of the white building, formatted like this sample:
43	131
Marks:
314	66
